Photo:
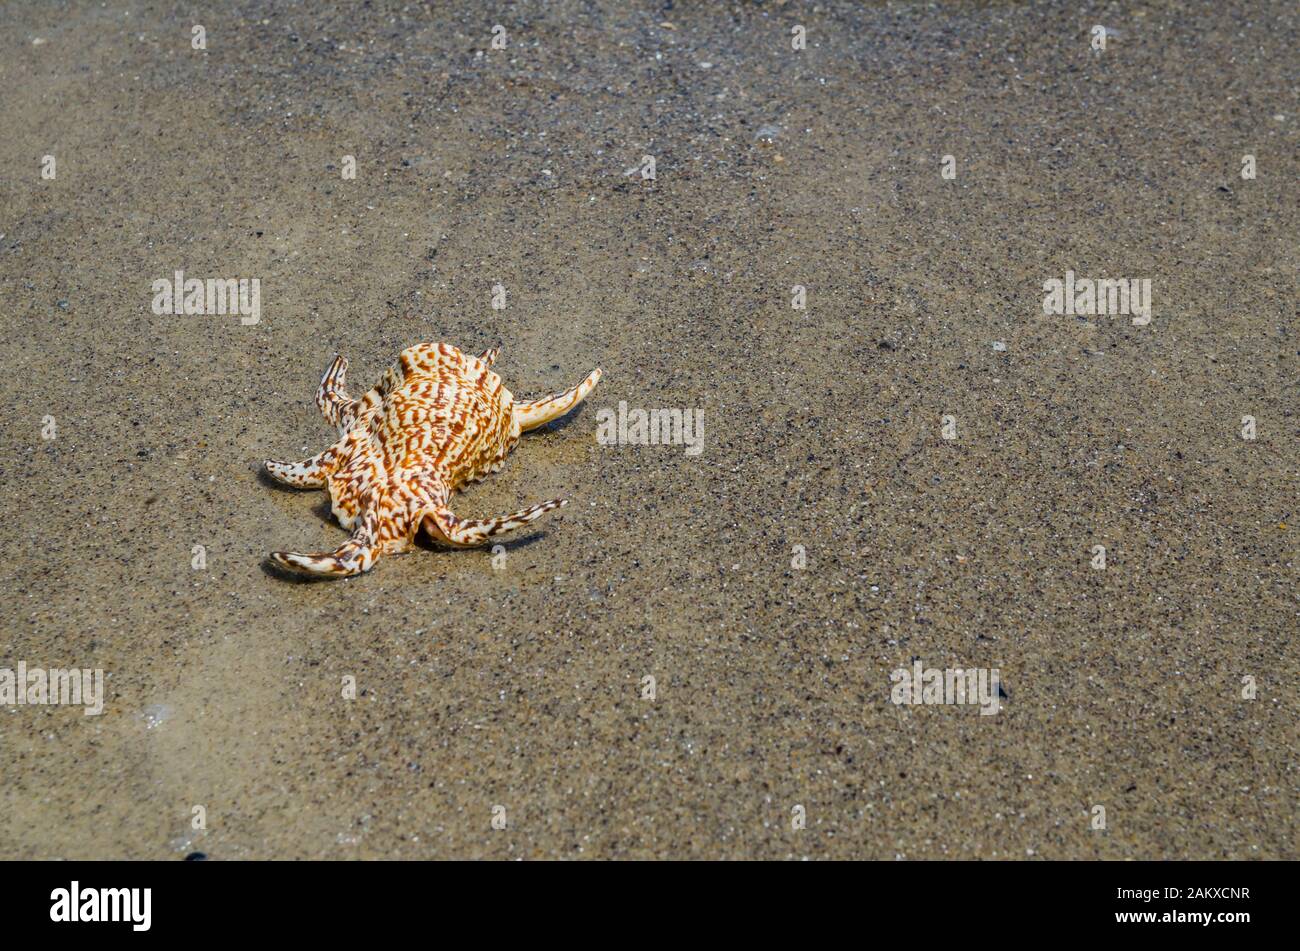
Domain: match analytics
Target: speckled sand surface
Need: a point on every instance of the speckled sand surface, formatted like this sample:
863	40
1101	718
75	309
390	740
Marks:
520	687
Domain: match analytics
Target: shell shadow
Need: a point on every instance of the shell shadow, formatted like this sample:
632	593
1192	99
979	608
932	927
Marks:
564	422
424	543
272	570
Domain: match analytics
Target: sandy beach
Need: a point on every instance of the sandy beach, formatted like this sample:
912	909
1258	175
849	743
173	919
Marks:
833	256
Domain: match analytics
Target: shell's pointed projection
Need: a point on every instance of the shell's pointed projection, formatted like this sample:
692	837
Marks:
437	420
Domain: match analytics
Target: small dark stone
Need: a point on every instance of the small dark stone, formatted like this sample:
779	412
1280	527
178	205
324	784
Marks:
197	857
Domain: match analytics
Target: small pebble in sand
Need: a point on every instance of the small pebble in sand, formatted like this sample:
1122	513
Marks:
999	346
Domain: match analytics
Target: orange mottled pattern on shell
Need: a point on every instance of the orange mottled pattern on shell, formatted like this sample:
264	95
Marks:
437	420
440	417
448	410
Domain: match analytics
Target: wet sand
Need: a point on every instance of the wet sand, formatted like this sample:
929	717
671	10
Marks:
521	687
